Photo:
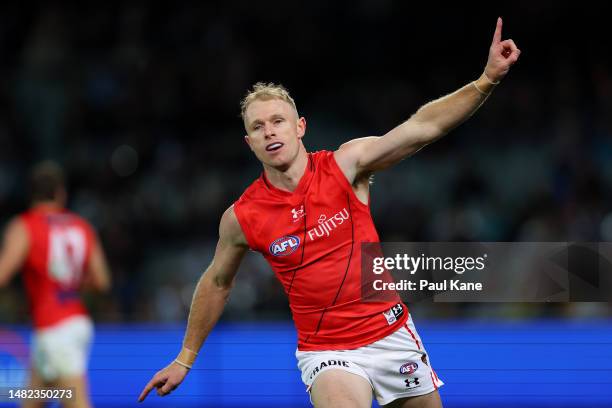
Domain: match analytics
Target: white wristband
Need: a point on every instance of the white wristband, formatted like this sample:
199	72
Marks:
489	79
480	90
187	366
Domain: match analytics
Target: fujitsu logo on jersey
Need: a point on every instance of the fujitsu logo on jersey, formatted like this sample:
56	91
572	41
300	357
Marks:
327	225
284	246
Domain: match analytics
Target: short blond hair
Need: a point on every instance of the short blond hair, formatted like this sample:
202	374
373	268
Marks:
264	92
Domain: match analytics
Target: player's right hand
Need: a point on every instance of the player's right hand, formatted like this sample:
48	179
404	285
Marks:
502	55
166	380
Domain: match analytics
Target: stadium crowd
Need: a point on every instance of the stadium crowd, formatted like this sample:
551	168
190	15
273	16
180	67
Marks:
141	106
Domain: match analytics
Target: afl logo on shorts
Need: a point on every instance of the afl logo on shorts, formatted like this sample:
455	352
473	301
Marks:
408	368
284	245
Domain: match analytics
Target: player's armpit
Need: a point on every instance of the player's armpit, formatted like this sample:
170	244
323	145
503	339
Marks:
349	154
14	250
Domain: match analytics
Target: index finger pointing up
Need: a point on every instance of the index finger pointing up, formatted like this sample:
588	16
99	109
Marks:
498	31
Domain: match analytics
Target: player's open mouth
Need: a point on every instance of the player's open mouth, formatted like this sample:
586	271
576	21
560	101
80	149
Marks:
274	146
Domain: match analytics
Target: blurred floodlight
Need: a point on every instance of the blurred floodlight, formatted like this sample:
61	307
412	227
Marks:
124	160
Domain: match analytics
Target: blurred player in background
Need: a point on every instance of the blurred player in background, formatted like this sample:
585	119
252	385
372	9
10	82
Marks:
307	215
59	254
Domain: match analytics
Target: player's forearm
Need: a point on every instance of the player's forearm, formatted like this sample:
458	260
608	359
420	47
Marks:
446	113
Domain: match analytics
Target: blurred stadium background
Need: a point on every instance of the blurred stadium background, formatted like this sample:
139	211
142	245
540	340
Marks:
140	103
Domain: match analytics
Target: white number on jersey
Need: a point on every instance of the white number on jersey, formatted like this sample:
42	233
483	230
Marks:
66	255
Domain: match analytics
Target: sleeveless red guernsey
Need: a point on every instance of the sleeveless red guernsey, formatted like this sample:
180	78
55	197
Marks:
311	238
60	246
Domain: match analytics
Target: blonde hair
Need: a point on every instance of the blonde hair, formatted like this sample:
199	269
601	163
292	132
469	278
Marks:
264	92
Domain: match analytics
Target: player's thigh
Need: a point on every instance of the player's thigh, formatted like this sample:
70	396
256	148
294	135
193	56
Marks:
431	400
341	389
80	391
36	383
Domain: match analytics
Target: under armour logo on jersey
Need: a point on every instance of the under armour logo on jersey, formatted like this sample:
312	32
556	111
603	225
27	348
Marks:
393	314
297	213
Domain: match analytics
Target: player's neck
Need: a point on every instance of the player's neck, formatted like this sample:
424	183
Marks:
50	205
288	179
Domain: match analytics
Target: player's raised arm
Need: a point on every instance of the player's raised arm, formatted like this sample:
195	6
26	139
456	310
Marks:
14	250
208	302
431	121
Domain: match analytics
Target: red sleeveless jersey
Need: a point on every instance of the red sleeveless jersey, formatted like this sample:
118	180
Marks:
311	238
60	246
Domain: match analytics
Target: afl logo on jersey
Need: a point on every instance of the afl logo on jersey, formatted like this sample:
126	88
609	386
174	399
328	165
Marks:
284	245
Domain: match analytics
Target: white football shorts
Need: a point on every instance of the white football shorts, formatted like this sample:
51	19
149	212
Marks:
396	366
63	349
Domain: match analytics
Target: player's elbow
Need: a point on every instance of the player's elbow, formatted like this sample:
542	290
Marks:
5	276
430	132
104	286
219	282
223	284
101	282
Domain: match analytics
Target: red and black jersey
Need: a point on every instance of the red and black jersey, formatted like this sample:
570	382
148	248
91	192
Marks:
311	237
60	247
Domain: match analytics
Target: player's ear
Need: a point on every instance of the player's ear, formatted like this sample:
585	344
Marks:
248	141
301	127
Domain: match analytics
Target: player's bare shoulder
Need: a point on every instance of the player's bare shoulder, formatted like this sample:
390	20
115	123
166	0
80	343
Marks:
16	238
349	157
230	230
16	227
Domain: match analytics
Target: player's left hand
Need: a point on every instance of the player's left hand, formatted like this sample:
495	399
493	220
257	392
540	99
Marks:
502	55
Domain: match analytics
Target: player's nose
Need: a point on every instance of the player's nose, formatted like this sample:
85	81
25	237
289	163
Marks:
268	130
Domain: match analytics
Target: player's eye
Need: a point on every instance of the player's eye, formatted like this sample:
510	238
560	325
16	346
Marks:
278	121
